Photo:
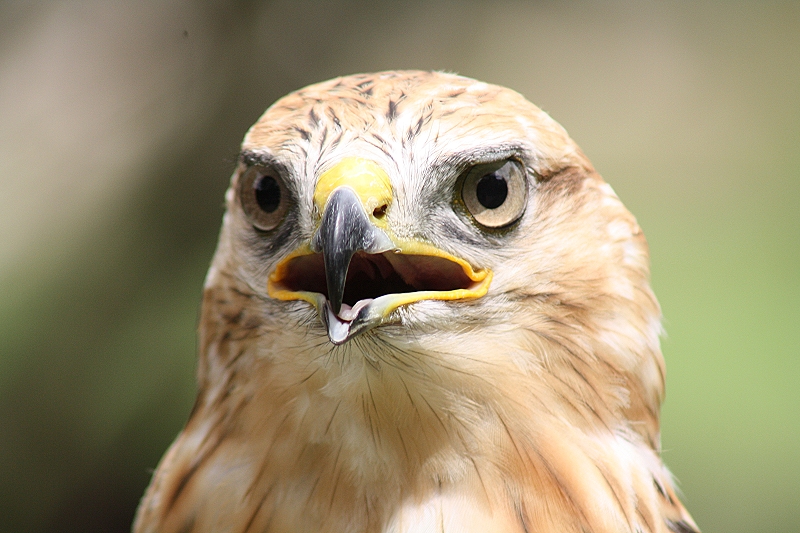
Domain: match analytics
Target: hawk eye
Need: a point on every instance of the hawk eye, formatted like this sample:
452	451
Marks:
495	194
264	197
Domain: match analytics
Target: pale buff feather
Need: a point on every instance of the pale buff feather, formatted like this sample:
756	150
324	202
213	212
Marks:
534	408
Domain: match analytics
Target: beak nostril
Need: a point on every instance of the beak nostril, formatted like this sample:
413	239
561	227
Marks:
380	211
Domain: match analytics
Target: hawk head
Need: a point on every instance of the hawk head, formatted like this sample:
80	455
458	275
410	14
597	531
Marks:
426	308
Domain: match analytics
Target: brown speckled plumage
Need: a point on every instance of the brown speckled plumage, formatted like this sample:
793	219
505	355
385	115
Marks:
534	408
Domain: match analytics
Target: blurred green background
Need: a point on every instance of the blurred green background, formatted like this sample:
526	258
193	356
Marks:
119	127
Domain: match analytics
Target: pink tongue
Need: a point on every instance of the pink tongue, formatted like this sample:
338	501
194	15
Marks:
347	313
339	326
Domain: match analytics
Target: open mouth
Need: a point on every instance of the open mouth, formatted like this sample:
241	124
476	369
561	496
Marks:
375	285
371	276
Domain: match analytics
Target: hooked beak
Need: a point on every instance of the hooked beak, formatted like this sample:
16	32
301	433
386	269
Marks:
354	271
345	230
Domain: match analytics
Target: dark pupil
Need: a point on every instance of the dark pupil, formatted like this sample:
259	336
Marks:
268	194
491	191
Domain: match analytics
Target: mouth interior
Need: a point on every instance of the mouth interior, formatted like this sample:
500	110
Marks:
370	276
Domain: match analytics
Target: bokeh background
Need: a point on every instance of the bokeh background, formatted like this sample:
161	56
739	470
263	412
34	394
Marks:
119	128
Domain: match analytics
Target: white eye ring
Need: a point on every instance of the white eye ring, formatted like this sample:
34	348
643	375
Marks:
264	197
495	194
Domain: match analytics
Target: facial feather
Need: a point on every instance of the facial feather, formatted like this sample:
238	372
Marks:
532	407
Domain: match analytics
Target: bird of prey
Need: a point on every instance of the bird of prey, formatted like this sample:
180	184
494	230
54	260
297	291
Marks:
426	312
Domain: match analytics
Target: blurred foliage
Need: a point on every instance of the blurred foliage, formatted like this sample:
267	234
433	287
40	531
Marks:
120	125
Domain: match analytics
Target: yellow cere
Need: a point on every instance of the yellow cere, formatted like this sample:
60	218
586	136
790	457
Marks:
365	177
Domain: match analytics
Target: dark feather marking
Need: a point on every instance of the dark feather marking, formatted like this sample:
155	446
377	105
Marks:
458	232
198	401
328	427
232	320
305	134
323	135
306	444
334	117
402	443
184	480
383	148
562	488
414	130
564	181
233	288
594	390
336	140
521	517
368	419
410	399
463	425
391	113
308	377
241	293
680	527
465	372
646	520
250	158
667	494
435	414
221	398
573	353
565	399
258	508
188	526
374	364
265	462
416	409
365	344
512	439
480	477
313	489
376	433
233	359
614	492
394	356
660	489
338	472
313	118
